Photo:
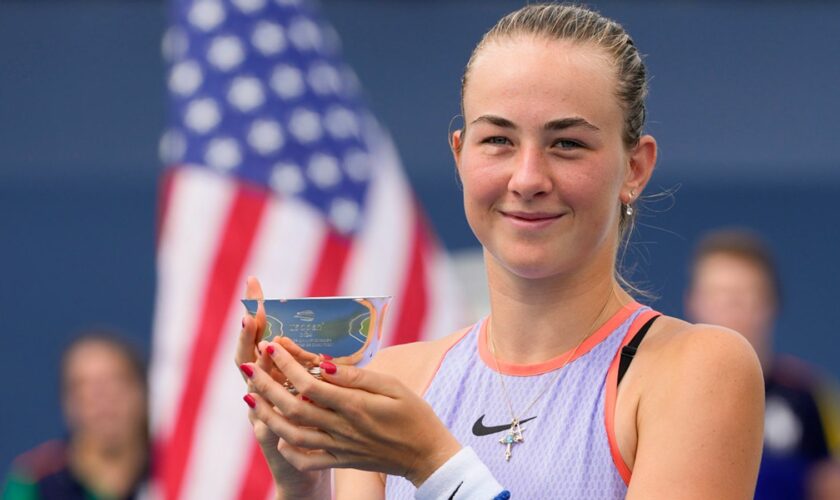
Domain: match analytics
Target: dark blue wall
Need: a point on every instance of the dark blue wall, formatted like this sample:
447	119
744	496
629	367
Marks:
744	102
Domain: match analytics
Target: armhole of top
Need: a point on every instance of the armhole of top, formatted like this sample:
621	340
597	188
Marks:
612	393
456	338
628	351
454	341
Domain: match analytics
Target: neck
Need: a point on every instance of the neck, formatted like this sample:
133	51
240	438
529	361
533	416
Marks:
534	320
110	469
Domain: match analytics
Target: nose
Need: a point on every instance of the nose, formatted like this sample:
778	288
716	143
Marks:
530	177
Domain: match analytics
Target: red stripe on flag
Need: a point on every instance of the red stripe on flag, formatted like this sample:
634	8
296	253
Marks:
415	300
237	238
331	262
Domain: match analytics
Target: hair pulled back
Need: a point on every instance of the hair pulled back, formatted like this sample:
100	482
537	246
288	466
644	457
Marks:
580	25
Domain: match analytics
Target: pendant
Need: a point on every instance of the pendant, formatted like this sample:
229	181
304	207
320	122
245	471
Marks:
513	436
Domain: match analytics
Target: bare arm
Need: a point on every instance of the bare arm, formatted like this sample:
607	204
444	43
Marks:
700	420
416	363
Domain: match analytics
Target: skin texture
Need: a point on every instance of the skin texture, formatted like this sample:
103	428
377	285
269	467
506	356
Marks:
545	173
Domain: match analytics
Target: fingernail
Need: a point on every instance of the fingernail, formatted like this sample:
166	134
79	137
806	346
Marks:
328	367
270	350
326	356
247	370
250	401
306	399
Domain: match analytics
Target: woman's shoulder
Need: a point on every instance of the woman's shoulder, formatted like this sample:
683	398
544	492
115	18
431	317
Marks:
678	355
676	341
415	363
693	408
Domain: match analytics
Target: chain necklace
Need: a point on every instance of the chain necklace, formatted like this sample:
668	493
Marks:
514	434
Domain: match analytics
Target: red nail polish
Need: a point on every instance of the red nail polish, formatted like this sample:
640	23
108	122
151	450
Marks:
326	356
250	401
328	367
247	370
270	350
306	399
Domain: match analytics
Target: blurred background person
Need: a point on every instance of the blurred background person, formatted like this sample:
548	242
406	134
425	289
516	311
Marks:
734	282
824	481
105	453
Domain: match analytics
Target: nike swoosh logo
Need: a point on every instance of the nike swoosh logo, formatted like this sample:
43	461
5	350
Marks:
479	429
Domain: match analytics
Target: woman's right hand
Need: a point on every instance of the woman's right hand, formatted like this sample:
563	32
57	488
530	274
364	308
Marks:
290	482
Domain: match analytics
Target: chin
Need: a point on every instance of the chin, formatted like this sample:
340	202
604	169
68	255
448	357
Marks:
531	267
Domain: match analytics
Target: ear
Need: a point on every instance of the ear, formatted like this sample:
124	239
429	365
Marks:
642	160
456	142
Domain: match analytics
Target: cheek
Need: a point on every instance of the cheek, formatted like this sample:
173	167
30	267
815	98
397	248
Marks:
482	185
590	191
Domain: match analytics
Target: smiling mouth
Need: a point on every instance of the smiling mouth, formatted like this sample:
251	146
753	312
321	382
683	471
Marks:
531	217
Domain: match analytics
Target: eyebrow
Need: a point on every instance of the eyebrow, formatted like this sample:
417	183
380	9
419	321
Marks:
553	125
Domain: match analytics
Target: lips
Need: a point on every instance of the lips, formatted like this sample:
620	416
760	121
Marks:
531	216
530	221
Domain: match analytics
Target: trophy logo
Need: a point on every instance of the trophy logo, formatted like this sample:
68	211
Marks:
347	328
307	315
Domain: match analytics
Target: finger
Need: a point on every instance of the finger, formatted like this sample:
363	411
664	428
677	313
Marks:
253	290
306	460
299	436
298	352
345	404
250	325
245	352
359	378
266	364
291	368
292	407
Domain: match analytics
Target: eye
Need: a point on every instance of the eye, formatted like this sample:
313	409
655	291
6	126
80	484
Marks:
496	140
568	144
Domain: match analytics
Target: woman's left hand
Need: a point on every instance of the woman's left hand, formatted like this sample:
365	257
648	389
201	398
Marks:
354	418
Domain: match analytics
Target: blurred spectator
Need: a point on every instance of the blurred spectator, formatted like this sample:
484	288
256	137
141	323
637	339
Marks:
825	481
734	283
105	455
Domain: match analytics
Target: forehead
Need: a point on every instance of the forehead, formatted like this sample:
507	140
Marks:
92	357
730	268
532	75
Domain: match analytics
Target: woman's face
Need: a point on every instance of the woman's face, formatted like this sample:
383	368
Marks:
103	398
542	161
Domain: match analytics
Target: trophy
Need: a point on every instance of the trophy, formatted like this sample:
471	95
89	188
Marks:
347	328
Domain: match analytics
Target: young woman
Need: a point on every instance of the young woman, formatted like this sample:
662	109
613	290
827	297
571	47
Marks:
527	402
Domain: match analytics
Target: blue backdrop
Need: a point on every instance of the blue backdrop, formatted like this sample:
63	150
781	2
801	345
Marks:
743	102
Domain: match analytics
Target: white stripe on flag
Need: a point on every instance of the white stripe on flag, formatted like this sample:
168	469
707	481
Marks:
182	272
446	312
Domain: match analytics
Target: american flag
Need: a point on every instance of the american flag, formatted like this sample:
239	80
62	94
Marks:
278	170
